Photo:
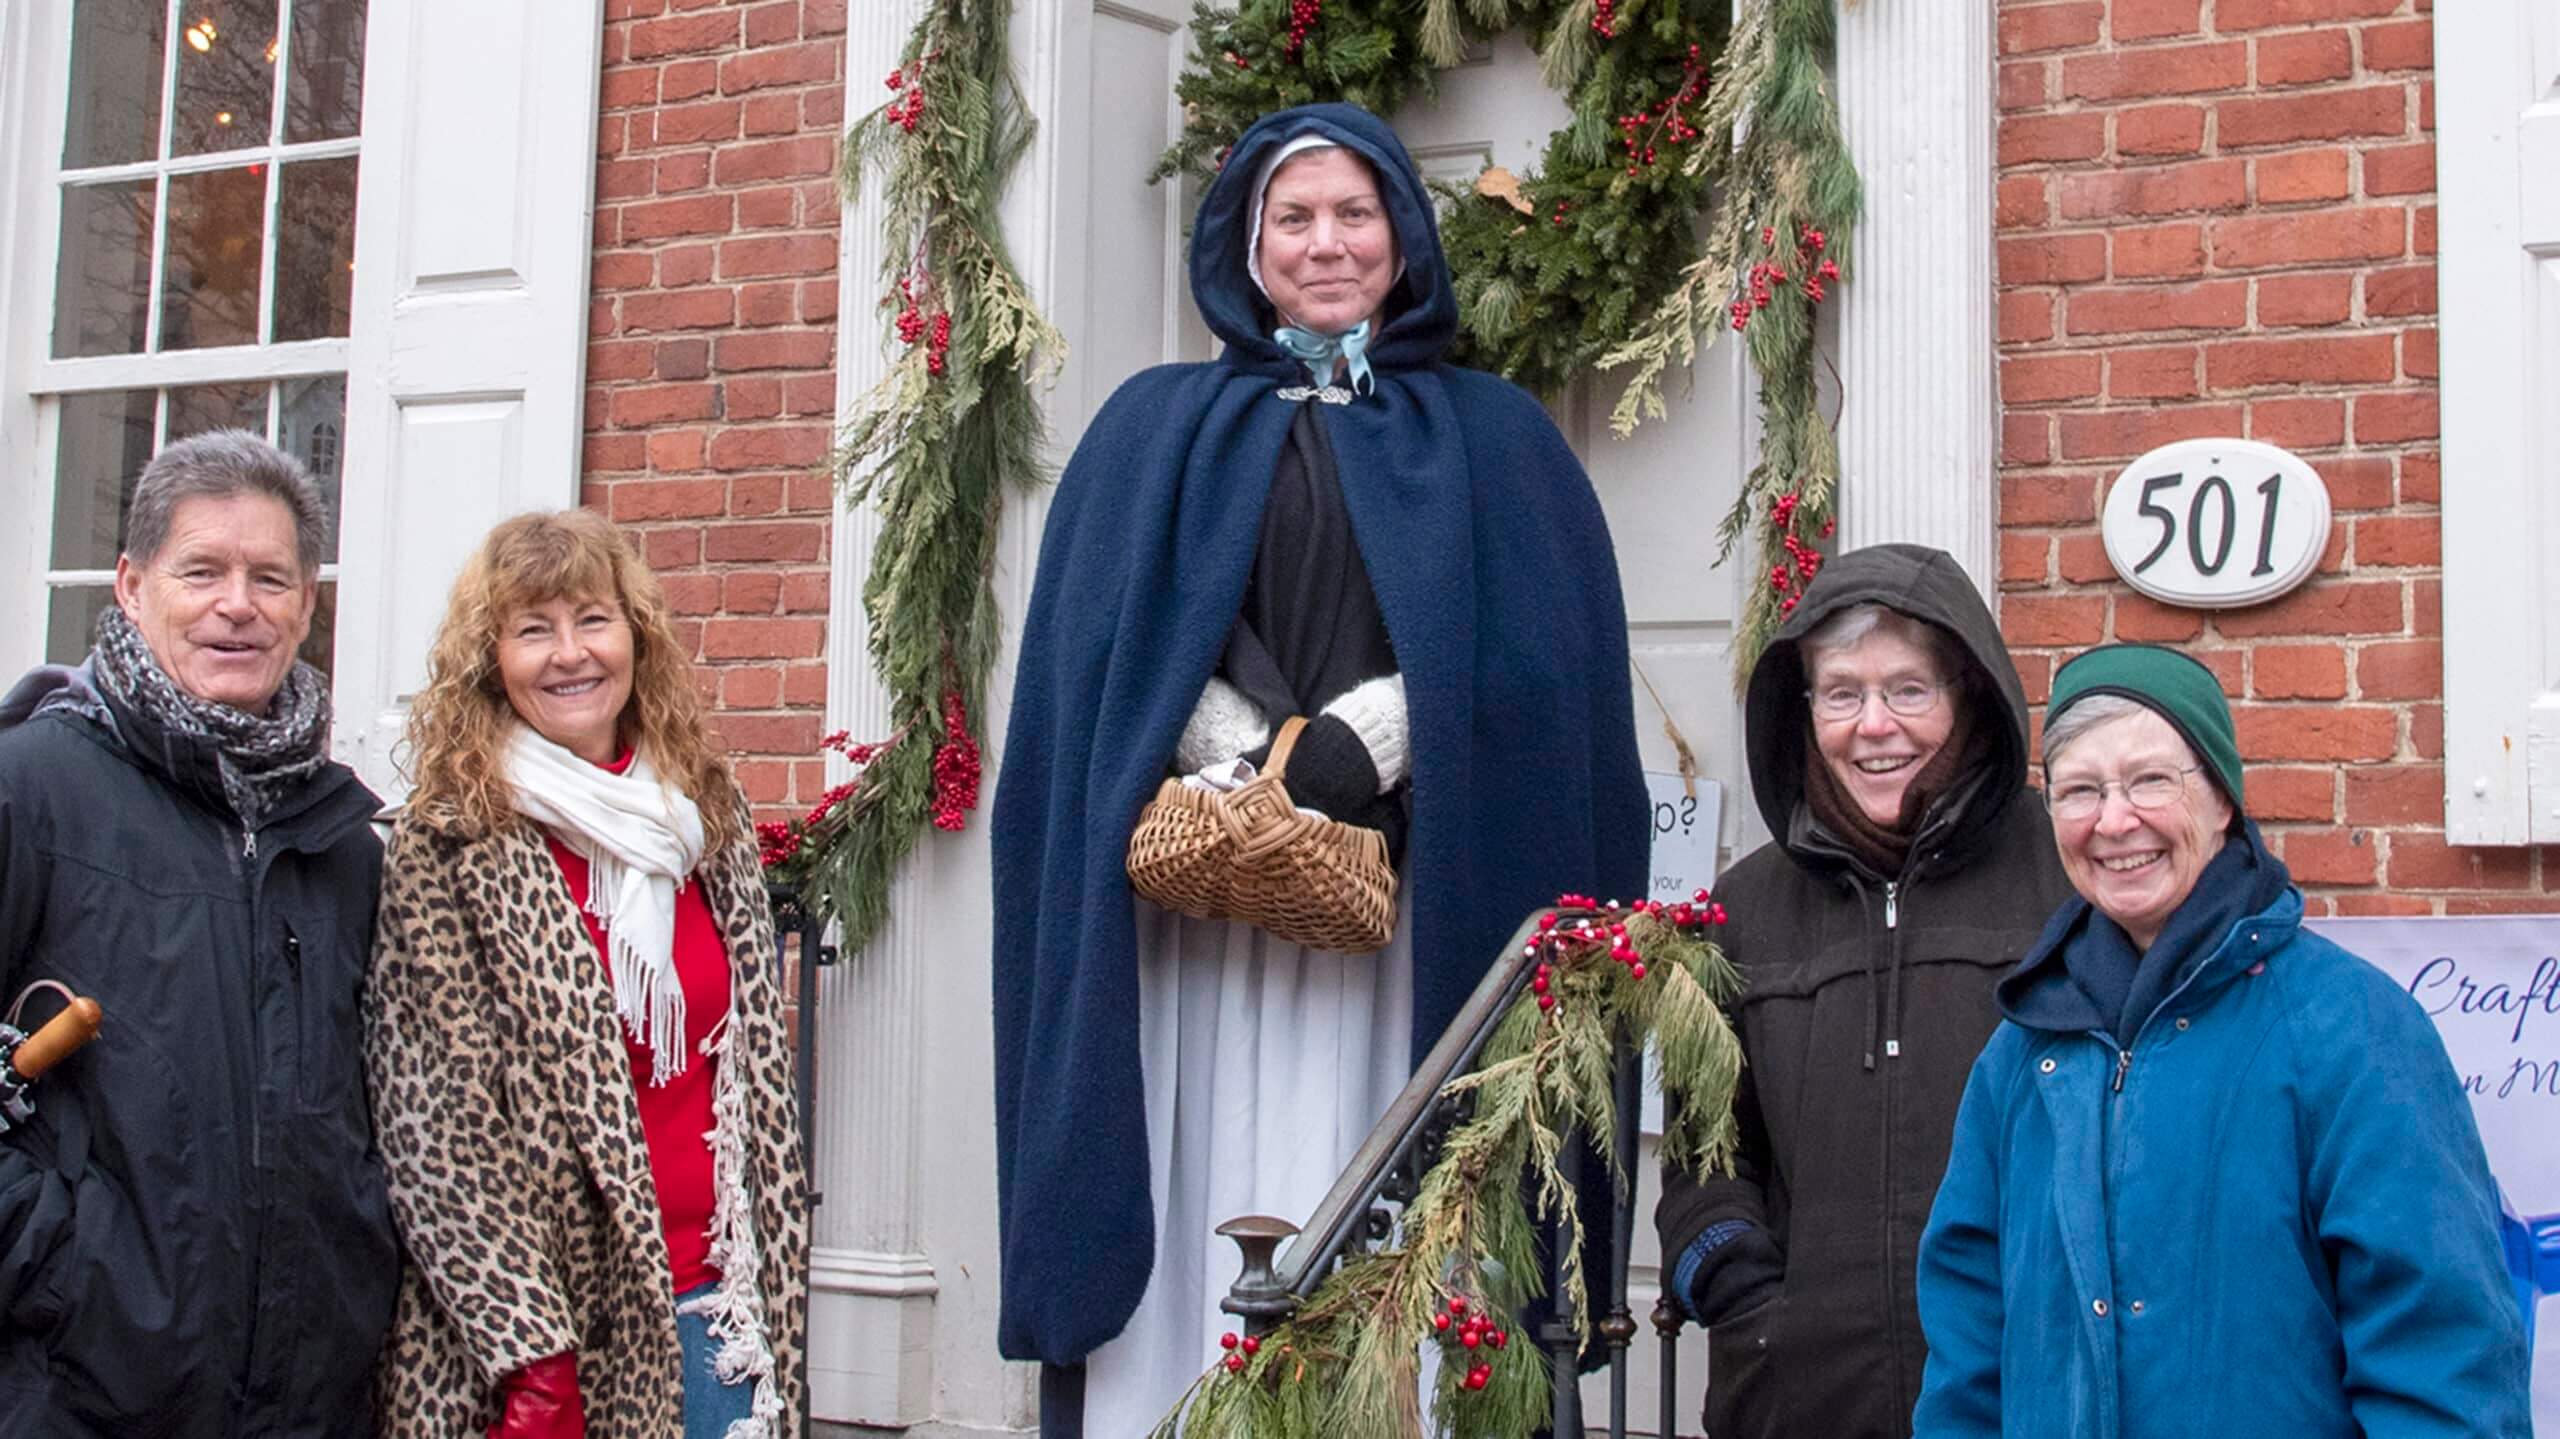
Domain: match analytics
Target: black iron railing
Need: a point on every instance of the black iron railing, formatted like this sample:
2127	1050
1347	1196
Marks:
800	949
1359	1212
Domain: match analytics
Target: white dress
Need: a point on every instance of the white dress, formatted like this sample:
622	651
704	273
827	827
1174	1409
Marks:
1266	1065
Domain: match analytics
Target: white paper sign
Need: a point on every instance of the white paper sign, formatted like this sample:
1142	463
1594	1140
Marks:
1685	827
2493	986
2216	523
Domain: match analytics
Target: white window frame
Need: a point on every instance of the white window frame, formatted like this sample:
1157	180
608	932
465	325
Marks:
35	65
2498	87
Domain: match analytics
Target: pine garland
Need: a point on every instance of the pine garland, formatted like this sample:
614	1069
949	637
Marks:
1788	200
1347	1364
939	441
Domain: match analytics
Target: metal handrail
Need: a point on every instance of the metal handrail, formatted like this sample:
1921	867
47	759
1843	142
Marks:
1402	1145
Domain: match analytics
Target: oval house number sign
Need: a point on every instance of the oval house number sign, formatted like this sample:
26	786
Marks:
2216	524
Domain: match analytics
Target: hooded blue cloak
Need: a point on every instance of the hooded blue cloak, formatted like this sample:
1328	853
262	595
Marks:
1493	569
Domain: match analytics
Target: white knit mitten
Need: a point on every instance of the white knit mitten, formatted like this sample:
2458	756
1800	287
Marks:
1374	709
1223	725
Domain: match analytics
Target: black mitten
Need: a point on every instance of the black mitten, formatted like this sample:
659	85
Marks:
1736	1277
1328	770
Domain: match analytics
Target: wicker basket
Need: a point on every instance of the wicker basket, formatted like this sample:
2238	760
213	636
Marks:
1249	855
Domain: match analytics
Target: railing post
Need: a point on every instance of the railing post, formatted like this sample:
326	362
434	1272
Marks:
1619	1327
1258	1297
1666	1323
1561	1335
792	921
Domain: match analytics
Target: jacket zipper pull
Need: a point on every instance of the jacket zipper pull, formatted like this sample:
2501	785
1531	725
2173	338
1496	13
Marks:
1892	905
2124	1061
248	842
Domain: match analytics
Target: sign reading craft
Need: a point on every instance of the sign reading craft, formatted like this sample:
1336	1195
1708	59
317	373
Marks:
2216	524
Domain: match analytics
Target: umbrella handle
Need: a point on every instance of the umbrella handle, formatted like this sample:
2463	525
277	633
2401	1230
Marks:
75	1026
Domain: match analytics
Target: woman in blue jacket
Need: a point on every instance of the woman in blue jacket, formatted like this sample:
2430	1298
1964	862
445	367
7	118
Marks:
2214	1175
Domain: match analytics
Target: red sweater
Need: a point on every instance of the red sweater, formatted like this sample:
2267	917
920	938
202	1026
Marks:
675	1116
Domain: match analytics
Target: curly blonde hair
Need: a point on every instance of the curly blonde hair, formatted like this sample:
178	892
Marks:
459	724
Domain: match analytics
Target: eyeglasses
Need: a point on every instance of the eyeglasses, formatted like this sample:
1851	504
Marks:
1909	698
2153	789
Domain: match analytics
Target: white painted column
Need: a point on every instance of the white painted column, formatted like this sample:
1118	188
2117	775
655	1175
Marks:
872	1287
1919	431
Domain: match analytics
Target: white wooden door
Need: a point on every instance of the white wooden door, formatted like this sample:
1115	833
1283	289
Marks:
469	343
2498	171
1664	490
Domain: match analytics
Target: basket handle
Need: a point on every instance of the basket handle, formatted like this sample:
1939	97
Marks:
1276	764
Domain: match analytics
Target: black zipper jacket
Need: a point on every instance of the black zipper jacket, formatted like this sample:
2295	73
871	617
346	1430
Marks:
194	1238
1867	999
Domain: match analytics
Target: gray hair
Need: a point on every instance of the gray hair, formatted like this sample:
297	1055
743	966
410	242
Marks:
2060	730
217	466
1843	629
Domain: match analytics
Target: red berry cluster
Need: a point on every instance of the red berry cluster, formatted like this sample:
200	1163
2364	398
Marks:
907	112
1303	15
1239	1347
1563	208
1819	271
915	325
1604	19
955	767
1472	1333
1611	930
1662	120
776	843
1238	60
1803	560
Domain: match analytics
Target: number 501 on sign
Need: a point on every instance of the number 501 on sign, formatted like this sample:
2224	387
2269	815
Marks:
2216	524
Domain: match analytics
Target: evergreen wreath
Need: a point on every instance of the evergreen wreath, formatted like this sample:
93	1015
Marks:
1346	1364
939	441
1595	260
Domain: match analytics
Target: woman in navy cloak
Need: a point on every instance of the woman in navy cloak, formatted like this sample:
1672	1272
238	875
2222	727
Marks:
1328	520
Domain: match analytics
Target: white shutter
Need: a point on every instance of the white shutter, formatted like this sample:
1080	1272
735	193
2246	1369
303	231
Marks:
2498	176
468	356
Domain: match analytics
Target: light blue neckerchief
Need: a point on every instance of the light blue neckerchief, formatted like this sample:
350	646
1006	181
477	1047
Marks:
1320	353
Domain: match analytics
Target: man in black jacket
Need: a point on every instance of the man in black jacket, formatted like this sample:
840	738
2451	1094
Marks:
194	1238
1887	737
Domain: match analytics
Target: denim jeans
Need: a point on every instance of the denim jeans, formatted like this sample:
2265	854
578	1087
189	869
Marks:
710	1406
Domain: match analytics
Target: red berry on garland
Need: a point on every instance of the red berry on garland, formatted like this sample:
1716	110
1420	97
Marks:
1546	1001
1457	1304
1235	1364
897	78
1636	970
1497	1338
1228	1341
1471	1339
1252	1346
1440	1322
1480	1376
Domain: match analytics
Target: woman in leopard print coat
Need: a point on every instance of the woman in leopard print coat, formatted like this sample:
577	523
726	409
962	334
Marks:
526	1128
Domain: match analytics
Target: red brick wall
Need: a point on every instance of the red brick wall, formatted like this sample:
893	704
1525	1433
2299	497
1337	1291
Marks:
2217	217
711	358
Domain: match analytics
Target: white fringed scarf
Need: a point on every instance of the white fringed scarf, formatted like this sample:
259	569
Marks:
640	838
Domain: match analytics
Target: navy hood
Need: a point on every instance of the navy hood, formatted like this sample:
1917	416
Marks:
1420	318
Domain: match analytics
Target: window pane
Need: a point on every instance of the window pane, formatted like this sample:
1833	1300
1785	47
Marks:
319	646
102	280
312	425
74	619
114	116
324	97
226	76
315	248
105	439
199	408
209	286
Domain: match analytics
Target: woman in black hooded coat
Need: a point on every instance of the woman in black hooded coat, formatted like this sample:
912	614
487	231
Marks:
1911	867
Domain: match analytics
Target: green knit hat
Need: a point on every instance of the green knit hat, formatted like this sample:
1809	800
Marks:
2174	686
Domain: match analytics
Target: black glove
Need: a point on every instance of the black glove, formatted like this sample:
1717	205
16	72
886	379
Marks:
1736	1277
1328	770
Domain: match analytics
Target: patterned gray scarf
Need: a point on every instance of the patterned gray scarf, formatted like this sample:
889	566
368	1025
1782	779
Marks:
263	759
